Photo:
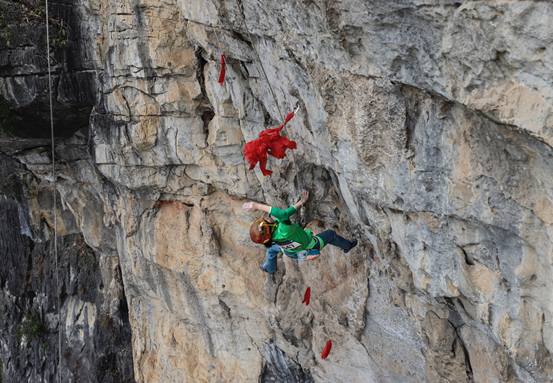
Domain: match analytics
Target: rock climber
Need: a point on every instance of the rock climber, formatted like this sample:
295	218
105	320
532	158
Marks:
279	235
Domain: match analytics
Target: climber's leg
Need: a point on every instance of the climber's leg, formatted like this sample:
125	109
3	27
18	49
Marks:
270	265
330	237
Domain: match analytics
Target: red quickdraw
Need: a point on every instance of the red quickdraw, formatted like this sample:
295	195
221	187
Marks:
306	296
223	69
326	351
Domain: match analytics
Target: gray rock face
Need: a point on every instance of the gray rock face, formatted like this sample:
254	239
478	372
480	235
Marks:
24	80
278	367
93	331
425	131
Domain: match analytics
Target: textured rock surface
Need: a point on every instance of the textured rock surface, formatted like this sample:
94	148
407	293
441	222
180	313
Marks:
95	334
24	79
425	130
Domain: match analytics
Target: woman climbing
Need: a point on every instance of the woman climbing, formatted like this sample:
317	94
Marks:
279	235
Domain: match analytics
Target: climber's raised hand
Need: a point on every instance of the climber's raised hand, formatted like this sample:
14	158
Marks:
303	200
304	196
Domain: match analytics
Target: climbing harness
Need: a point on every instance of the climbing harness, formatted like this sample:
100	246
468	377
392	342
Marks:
54	189
299	183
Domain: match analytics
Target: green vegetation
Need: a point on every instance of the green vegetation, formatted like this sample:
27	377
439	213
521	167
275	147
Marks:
61	41
8	118
8	21
31	326
1	369
17	14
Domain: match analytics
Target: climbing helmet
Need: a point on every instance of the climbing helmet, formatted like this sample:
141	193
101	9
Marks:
260	231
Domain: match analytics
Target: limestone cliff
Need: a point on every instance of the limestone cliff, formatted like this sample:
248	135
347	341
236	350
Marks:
425	130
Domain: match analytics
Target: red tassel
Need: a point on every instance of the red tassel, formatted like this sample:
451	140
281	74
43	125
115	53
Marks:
326	351
223	69
306	296
269	142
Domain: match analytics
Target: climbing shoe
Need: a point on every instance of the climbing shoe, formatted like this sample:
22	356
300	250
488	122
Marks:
263	268
353	244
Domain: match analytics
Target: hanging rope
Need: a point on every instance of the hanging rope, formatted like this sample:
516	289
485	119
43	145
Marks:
298	180
54	188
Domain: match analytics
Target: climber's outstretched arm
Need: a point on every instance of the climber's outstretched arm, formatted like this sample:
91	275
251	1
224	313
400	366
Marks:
251	206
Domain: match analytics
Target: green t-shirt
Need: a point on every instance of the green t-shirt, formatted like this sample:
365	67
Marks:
287	235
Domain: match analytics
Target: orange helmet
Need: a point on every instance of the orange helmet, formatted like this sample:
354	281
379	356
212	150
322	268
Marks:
260	231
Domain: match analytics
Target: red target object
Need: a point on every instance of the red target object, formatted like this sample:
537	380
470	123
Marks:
306	296
223	69
326	351
269	142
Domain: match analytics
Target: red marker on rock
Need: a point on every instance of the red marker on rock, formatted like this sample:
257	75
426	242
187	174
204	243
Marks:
306	296
223	69
326	351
